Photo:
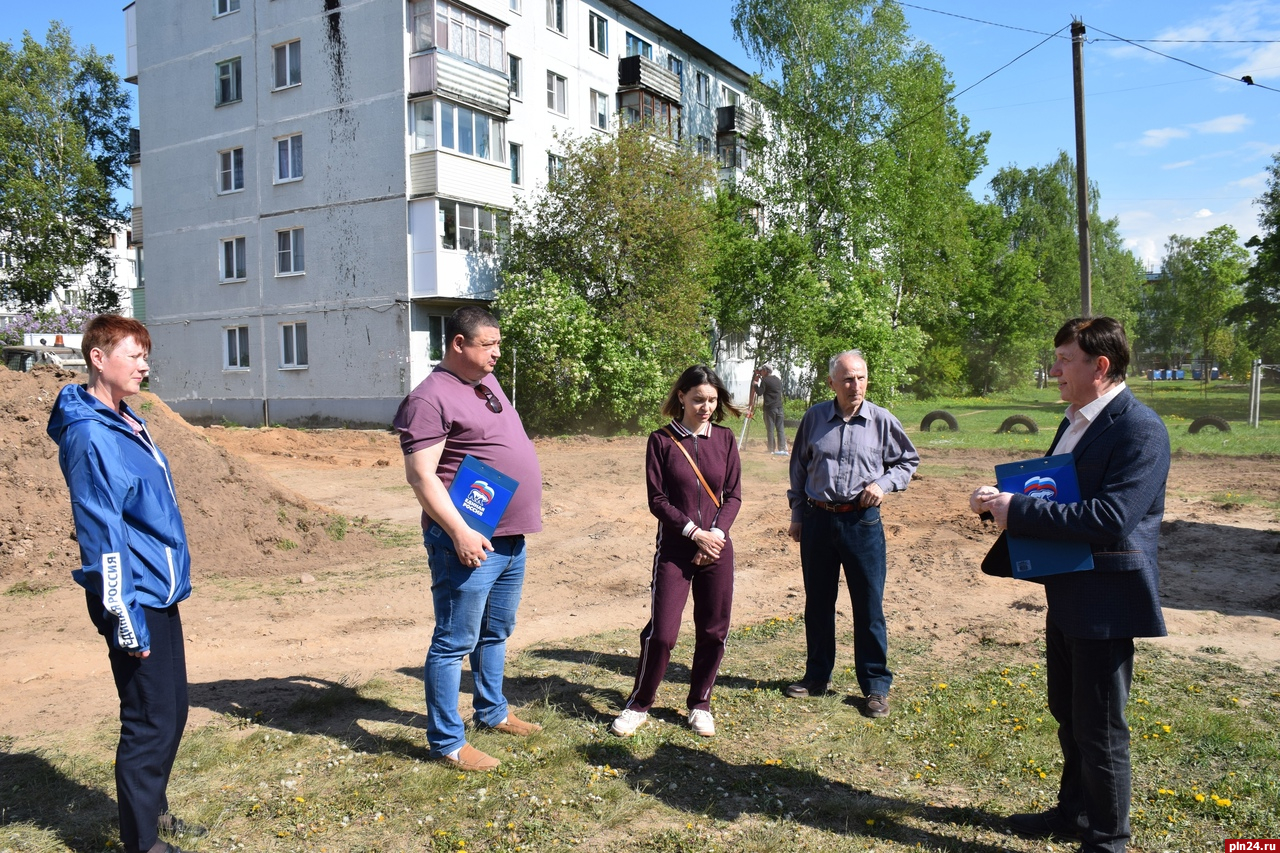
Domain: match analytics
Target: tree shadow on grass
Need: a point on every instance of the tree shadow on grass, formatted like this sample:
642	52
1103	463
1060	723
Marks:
693	781
305	704
39	794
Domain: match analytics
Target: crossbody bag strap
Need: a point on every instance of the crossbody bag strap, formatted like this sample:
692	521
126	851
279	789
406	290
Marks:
694	465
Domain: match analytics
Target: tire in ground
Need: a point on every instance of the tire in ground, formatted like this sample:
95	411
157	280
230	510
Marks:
939	415
1220	424
1019	420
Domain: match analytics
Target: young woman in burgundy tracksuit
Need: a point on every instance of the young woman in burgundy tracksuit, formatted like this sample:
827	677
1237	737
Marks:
693	549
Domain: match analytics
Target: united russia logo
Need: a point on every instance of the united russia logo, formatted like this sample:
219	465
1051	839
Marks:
1040	487
478	497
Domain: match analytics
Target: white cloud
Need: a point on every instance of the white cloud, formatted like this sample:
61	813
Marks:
1223	124
1181	164
1160	137
1256	181
1203	213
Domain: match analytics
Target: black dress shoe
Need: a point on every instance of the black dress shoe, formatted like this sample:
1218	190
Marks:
1046	824
806	689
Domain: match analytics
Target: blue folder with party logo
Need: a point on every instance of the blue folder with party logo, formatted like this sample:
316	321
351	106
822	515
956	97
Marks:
1050	478
481	494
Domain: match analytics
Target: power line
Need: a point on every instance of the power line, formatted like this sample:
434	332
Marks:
1246	79
977	20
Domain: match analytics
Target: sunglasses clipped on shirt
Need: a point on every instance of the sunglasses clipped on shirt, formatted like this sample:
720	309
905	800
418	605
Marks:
490	400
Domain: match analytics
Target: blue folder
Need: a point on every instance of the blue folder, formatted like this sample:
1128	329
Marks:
1050	478
481	494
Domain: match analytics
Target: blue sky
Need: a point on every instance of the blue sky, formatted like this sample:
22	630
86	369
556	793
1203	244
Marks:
1174	149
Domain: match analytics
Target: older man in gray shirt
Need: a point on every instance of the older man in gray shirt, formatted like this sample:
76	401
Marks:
847	455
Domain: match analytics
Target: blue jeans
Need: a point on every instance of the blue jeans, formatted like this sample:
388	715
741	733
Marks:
1088	687
475	614
854	540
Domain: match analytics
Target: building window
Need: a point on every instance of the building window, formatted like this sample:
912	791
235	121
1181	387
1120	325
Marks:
421	320
514	73
288	64
555	15
459	31
515	6
556	99
598	33
424	125
703	88
228	81
289	252
516	166
225	7
555	166
729	96
676	66
233	259
231	170
637	46
289	158
654	112
468	227
704	146
731	154
472	132
235	350
599	110
293	345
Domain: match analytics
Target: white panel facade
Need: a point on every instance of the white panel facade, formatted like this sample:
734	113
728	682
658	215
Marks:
305	239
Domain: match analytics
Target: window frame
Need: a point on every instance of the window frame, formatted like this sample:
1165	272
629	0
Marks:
515	158
678	69
227	170
238	254
459	30
295	252
556	165
293	159
466	227
292	64
702	92
557	93
461	123
221	8
515	77
290	347
231	82
556	16
598	33
636	46
235	344
599	119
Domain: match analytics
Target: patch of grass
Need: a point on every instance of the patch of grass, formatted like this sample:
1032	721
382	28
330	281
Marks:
343	766
390	535
29	589
286	544
337	528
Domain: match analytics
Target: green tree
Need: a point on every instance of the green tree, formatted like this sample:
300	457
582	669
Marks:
1260	309
866	161
625	227
1207	277
64	122
1039	206
767	289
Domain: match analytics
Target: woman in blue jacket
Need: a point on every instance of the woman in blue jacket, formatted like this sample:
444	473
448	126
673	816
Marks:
135	566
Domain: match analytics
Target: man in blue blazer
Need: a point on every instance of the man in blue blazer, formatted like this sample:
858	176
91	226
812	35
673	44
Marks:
1121	451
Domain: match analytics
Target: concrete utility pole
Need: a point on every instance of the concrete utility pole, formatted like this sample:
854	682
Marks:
1082	170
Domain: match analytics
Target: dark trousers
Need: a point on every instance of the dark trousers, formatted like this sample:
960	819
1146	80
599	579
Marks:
1088	687
712	587
854	540
775	429
153	712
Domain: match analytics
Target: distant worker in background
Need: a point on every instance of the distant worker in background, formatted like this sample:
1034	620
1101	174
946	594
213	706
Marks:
770	390
134	566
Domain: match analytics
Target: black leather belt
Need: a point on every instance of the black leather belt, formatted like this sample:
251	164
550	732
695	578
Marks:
830	507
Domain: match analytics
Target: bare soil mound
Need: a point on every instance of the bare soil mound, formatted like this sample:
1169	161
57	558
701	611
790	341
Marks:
239	521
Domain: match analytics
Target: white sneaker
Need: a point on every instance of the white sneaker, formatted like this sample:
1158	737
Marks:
626	723
702	722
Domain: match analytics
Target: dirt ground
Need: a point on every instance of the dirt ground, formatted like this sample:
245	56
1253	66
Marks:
284	590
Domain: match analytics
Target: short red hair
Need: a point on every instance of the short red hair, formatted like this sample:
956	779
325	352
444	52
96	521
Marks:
106	331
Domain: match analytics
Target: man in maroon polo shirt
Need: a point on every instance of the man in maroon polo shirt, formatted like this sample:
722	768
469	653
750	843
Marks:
476	582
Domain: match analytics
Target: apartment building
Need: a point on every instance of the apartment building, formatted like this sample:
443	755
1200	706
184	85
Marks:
318	185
